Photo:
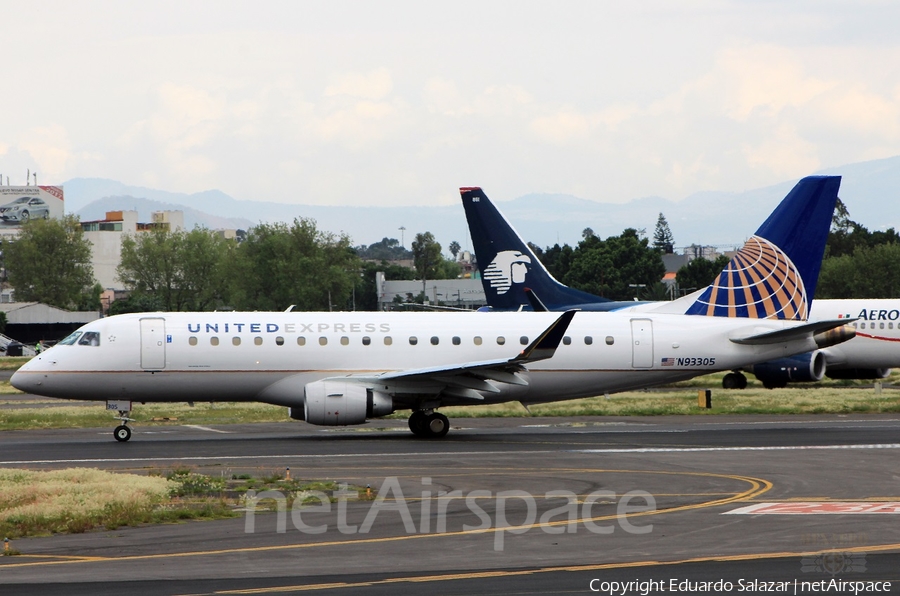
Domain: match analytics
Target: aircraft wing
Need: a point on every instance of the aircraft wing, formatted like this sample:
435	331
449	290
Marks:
467	379
800	332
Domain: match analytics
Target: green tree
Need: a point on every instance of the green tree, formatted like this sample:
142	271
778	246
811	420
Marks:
454	249
615	267
870	272
556	259
180	270
663	240
279	265
388	249
426	255
50	262
699	273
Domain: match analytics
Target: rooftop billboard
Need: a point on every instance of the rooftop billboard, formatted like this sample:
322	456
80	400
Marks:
19	204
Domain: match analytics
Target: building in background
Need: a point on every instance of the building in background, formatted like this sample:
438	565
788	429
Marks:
106	235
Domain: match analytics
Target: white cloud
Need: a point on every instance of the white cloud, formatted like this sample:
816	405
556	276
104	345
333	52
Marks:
373	85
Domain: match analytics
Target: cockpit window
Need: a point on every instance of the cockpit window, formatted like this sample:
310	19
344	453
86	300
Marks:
70	339
90	338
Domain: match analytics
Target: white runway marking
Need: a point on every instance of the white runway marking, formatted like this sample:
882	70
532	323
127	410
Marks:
766	448
212	430
818	508
448	453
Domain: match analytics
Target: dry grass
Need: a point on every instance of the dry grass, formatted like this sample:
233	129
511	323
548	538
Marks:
75	500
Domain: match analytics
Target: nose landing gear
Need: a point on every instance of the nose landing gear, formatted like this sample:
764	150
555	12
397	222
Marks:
122	432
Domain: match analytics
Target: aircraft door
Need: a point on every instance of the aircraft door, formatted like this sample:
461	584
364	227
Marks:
641	343
153	344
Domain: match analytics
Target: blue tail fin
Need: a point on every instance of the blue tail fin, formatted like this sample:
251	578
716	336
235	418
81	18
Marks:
774	275
508	266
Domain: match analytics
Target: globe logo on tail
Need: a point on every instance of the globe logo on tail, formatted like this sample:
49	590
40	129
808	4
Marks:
507	268
760	282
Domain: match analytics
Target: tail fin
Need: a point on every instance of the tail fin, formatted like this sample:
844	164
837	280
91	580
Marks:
508	265
774	275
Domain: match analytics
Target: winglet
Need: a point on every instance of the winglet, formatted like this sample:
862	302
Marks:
544	346
536	304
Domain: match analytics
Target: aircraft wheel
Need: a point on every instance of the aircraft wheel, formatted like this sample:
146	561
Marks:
438	425
417	422
122	433
741	381
730	381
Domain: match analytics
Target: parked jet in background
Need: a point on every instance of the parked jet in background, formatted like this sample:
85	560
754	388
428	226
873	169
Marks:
343	368
529	286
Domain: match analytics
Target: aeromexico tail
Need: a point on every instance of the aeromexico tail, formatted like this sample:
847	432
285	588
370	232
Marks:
514	279
344	368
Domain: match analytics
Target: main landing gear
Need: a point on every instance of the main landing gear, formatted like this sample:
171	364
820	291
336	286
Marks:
430	424
734	380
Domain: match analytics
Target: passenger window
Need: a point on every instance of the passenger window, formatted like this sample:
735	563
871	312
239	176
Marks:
501	340
257	341
387	340
301	341
523	340
367	340
235	341
881	325
434	340
862	325
567	340
456	340
91	338
279	341
323	341
610	340
345	341
192	341
214	341
70	339
413	340
588	340
477	341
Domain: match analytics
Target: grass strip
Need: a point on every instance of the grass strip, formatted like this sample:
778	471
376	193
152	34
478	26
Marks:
76	500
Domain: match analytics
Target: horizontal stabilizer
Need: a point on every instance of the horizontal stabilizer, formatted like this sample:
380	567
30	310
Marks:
793	333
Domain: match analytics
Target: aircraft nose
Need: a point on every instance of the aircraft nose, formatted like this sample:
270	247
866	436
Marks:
28	378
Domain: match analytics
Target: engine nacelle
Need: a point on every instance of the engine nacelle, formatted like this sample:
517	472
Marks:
802	368
342	403
859	373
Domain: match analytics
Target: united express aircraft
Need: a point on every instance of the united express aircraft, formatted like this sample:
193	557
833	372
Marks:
344	368
515	279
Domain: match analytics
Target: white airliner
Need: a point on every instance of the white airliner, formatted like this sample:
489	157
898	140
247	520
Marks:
344	368
515	279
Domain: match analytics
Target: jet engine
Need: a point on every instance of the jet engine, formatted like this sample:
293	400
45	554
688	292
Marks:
341	403
802	368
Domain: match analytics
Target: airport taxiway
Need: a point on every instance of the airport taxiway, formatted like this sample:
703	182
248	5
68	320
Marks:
686	480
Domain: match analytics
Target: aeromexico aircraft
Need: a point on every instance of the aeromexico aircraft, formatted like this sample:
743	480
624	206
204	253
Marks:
514	279
344	368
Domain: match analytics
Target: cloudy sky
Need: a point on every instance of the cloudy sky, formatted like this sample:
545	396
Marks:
352	103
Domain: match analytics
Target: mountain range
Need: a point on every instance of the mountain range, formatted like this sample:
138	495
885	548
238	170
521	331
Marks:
870	190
